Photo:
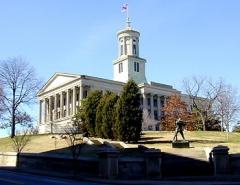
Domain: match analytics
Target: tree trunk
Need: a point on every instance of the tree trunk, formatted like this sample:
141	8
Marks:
13	123
203	121
222	124
13	115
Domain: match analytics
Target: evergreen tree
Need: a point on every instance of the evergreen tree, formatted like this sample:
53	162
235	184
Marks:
88	111
129	114
108	115
100	115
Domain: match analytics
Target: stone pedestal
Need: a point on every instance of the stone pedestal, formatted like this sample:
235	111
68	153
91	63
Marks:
153	159
108	164
221	160
180	144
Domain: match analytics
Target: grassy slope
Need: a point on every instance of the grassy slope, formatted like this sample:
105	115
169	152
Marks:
153	139
38	143
199	141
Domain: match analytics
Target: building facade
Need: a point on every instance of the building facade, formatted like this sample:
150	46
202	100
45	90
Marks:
62	94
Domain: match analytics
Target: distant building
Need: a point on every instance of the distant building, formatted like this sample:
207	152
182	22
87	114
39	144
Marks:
63	92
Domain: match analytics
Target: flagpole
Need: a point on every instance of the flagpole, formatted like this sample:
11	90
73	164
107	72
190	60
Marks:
128	19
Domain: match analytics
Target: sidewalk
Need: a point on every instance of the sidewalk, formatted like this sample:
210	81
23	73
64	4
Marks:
223	180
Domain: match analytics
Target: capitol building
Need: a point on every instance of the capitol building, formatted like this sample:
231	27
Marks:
63	92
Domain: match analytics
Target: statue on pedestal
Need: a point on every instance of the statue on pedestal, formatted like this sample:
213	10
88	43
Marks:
179	129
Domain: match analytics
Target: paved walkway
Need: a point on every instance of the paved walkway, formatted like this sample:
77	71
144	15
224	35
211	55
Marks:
20	178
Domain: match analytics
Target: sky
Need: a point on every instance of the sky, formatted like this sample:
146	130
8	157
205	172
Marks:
179	38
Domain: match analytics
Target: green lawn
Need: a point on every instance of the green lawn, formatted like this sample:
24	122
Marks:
199	142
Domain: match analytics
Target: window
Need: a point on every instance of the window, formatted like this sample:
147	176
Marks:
134	49
120	67
121	49
136	66
156	115
149	101
58	103
127	46
64	101
85	93
155	102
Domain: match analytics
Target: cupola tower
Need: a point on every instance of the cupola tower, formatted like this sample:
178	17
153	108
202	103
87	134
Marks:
129	65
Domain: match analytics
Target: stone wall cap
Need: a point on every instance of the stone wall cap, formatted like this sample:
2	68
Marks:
9	153
220	147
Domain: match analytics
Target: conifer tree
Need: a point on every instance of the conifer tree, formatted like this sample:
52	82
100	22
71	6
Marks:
100	115
108	115
88	110
129	114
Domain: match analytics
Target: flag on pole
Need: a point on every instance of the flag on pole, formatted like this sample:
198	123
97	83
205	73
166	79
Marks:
124	7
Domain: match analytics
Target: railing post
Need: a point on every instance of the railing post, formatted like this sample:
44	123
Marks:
221	160
108	164
153	159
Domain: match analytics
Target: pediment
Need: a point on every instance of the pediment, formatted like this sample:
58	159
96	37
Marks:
57	80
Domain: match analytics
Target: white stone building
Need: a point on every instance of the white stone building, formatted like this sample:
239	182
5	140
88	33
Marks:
63	92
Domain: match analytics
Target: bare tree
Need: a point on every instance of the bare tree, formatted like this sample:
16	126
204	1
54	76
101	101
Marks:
74	137
21	140
203	93
1	102
20	86
227	106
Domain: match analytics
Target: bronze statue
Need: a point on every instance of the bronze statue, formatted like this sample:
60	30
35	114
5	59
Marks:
179	129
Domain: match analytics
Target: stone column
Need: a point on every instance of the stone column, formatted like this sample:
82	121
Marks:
124	46
108	164
221	160
144	101
152	107
40	111
45	110
50	109
61	104
159	107
80	94
153	160
74	100
165	100
67	103
55	107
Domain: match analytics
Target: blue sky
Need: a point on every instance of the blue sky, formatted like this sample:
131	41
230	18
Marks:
179	38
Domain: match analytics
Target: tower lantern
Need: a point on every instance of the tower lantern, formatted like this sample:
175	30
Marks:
129	65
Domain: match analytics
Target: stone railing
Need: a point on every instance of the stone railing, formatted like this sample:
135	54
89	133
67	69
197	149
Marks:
139	163
109	164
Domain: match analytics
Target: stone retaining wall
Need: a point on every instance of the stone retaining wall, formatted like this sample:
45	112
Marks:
235	164
111	164
8	159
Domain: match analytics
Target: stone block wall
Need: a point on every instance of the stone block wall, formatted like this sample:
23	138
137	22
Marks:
235	164
8	159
